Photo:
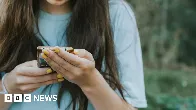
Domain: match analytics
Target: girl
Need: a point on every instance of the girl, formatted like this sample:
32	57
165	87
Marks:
106	72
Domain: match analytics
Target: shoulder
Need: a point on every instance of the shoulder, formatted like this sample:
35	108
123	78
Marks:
121	12
123	24
121	5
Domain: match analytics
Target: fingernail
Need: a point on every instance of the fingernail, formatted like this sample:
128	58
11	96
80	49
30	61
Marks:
44	56
45	52
59	76
56	50
69	49
60	80
49	71
76	52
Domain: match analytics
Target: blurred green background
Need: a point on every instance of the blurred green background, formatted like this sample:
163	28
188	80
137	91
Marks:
168	35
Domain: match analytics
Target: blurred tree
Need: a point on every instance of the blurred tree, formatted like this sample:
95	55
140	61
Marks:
168	35
167	29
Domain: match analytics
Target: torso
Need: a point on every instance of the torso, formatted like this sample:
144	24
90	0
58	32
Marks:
54	38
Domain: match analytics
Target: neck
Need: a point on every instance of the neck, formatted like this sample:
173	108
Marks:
54	9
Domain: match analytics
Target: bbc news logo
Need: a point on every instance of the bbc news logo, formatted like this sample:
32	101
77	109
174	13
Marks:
29	98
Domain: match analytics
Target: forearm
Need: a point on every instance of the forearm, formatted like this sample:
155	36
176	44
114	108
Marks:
104	98
3	105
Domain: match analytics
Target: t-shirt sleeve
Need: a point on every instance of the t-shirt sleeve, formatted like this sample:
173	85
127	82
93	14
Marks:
128	52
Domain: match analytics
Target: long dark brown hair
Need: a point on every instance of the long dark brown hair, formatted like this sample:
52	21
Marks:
89	28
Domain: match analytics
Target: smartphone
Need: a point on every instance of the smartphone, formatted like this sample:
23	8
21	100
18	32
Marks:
41	62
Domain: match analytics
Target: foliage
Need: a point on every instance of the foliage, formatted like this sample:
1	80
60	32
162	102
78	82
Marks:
170	90
167	30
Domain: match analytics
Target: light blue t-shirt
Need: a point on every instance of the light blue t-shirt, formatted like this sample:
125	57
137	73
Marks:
128	51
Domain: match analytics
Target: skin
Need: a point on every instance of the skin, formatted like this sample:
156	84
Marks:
56	6
57	2
26	78
78	68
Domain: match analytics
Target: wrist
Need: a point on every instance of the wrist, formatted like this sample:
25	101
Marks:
96	82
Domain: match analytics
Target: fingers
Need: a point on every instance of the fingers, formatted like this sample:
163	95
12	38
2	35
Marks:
30	87
38	79
37	85
54	65
60	70
71	58
82	53
33	71
30	63
58	63
67	73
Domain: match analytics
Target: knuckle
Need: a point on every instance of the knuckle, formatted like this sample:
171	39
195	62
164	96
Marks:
85	67
77	75
18	81
17	69
50	77
71	77
80	72
52	56
23	88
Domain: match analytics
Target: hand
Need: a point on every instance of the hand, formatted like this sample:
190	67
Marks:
79	69
27	77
